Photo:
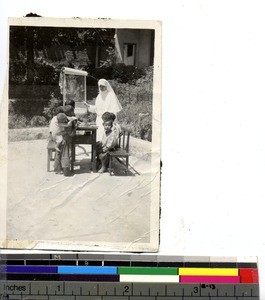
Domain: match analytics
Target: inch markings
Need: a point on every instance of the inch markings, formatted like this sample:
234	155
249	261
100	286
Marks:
112	290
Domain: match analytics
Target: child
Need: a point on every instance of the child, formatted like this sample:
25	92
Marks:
59	125
116	127
60	132
54	125
69	110
70	102
107	144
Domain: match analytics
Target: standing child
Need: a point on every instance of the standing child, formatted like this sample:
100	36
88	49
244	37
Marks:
64	125
60	125
54	126
61	132
107	144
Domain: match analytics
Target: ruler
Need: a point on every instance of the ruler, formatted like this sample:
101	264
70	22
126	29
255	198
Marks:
124	277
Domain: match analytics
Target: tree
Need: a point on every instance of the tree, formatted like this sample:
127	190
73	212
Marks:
26	41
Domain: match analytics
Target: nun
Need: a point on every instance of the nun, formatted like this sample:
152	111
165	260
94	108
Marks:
106	101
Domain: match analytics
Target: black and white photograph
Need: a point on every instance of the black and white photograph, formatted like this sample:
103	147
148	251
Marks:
185	79
83	139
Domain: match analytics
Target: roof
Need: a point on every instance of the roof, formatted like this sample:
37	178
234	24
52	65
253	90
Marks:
70	71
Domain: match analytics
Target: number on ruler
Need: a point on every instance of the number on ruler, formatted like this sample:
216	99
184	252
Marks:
211	286
126	289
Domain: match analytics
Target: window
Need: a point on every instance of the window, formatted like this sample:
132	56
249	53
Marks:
129	51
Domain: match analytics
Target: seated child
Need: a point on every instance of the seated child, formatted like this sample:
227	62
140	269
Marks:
107	144
116	128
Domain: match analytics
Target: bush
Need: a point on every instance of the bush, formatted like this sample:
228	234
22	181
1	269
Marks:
38	121
43	72
26	113
137	101
51	110
119	72
27	107
140	89
137	118
17	121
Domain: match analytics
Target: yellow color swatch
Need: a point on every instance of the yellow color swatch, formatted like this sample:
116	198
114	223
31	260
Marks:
208	271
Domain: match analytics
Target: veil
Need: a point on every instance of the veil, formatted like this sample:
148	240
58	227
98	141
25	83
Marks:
108	99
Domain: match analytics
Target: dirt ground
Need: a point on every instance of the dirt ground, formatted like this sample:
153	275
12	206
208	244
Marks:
88	208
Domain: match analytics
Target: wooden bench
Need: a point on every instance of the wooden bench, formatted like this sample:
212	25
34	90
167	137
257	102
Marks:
121	153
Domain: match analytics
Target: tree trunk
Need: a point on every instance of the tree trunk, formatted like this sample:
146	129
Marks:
30	55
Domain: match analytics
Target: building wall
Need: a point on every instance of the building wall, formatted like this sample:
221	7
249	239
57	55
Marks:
146	43
143	38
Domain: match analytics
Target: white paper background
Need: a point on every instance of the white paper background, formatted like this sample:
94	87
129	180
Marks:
213	121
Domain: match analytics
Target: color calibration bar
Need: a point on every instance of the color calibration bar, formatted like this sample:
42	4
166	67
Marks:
130	274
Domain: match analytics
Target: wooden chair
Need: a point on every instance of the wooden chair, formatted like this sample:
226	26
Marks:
121	153
50	150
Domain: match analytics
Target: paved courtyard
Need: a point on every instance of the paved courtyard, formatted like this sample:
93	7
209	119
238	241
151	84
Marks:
87	209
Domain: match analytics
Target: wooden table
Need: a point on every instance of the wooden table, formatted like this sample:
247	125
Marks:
88	137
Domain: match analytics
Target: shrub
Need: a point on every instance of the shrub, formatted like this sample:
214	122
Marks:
136	100
17	121
25	113
43	72
38	121
137	117
51	110
137	90
27	107
120	72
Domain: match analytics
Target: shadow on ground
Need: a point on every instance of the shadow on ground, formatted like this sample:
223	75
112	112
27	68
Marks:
84	166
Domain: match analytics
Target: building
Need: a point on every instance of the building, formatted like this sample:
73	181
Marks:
135	47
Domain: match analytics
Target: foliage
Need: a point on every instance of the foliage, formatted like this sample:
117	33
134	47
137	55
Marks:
32	66
137	118
18	72
140	89
17	121
51	110
111	59
136	100
41	93
33	62
26	113
45	73
27	41
38	121
120	72
28	107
